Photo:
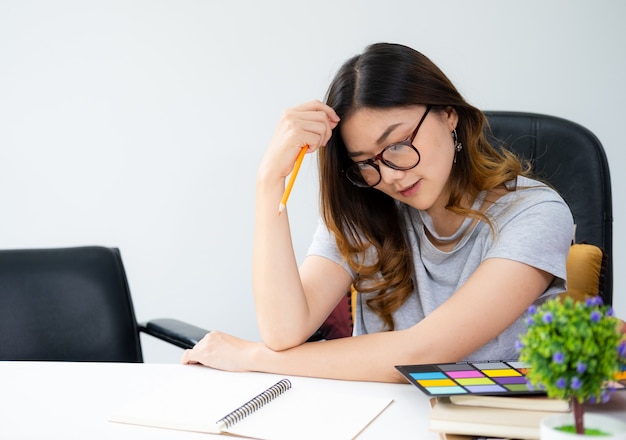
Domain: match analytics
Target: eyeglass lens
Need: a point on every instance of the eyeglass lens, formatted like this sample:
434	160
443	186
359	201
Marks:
397	156
401	156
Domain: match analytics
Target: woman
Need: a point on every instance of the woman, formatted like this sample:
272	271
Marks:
445	238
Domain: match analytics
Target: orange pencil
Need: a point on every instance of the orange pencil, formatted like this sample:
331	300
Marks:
292	179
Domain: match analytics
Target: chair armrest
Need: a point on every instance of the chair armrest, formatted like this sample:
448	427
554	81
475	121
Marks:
175	332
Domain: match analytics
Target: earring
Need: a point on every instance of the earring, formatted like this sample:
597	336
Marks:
458	146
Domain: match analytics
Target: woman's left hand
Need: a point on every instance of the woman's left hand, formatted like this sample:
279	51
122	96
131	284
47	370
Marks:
221	351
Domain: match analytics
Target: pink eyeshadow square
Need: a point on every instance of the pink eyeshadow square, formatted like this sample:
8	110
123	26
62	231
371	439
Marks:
464	374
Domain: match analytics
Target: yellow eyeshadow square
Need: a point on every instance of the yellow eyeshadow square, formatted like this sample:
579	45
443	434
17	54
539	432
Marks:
475	381
436	383
501	373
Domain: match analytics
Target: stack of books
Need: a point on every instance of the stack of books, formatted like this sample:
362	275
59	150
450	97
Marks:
490	399
471	416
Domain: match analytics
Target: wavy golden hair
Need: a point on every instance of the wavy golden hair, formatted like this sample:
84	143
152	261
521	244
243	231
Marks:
365	220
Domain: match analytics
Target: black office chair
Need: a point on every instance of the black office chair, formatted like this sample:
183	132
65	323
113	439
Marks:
571	159
74	304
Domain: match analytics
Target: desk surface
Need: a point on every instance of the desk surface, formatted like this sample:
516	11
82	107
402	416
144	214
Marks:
58	400
73	400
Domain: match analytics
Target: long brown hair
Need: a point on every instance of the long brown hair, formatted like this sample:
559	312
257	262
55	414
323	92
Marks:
364	220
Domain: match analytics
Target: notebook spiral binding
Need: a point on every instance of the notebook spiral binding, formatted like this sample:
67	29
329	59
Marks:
255	403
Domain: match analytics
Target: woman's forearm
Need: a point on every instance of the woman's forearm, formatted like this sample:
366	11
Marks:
368	358
280	302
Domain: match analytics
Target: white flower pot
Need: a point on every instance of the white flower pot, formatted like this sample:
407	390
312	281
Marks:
614	427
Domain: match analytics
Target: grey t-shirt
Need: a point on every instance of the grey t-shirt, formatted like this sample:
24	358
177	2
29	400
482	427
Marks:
533	226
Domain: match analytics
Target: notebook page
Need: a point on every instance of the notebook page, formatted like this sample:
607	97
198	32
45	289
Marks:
195	402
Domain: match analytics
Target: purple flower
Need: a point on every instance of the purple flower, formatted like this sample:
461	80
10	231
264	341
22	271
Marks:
576	383
595	316
606	395
532	309
547	318
518	345
594	301
610	312
581	367
558	357
621	349
561	383
529	320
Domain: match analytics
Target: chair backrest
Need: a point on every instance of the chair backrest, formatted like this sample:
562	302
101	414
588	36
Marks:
571	159
70	304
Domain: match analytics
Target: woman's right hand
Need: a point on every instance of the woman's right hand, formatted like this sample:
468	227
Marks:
309	124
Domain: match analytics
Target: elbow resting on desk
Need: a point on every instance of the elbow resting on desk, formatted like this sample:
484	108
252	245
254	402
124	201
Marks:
281	341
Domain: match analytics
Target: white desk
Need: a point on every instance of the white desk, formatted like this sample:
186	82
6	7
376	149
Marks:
58	400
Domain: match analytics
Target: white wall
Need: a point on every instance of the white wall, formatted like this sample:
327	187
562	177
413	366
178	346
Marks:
139	123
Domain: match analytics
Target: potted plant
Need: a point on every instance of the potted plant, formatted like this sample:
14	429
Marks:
573	349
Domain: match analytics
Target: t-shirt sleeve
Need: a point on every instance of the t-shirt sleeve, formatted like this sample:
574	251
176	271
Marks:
539	233
325	245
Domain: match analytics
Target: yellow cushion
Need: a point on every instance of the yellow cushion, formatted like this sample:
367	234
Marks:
585	270
353	294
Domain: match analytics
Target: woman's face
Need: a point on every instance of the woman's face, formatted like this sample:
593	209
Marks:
368	131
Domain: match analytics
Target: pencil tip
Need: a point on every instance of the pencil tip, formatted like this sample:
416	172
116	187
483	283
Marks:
281	208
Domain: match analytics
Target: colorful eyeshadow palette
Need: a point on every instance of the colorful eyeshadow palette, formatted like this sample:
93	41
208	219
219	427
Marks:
486	378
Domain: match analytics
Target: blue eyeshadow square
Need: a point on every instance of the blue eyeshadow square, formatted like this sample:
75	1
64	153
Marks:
428	375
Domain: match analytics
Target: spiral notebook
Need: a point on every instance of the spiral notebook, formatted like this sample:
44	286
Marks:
256	406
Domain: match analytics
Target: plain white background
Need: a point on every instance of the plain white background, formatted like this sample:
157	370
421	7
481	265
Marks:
140	123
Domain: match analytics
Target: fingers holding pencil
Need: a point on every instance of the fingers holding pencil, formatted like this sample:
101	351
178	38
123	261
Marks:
311	124
313	118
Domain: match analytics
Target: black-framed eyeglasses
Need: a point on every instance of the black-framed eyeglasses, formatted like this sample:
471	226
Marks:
399	156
